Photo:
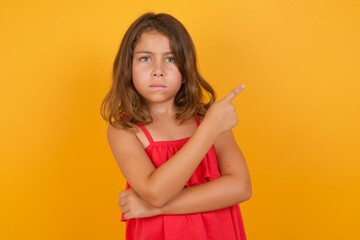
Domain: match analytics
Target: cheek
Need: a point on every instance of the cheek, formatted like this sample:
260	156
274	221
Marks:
135	70
136	77
138	73
174	72
138	86
179	77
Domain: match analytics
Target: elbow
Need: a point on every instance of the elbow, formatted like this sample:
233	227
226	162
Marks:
156	203
247	194
156	199
155	195
244	193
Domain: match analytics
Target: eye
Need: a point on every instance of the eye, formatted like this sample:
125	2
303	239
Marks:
144	59
170	59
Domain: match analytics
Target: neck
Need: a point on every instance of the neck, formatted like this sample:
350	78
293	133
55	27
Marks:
161	111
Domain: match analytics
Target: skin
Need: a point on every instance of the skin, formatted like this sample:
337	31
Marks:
155	74
161	191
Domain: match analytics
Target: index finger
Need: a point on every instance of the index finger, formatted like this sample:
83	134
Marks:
234	93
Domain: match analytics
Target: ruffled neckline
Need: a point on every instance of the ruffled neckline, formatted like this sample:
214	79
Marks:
167	142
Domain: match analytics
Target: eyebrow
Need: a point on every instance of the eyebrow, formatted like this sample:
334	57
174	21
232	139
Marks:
149	52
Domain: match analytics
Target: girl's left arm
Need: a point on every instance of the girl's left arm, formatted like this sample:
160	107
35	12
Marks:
231	188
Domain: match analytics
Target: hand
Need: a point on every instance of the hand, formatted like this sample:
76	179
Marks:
133	206
221	115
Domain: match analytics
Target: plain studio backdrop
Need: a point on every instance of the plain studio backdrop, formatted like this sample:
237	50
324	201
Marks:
299	114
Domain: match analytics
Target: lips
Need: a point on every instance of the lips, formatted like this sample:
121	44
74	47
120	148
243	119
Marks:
157	86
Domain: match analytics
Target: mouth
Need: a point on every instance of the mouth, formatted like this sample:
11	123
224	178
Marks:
157	86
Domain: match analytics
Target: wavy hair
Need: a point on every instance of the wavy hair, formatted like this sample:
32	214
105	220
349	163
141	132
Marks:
123	106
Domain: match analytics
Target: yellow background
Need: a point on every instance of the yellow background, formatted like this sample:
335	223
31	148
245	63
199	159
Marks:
299	114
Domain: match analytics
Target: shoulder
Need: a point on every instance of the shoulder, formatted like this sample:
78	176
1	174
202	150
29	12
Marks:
119	135
116	130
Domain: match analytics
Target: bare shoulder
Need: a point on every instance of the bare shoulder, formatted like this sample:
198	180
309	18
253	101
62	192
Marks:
113	131
119	137
116	134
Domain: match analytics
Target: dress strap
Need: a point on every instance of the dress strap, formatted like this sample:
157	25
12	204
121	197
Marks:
197	121
147	134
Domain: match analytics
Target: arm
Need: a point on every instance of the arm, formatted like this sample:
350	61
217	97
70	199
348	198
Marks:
230	189
233	187
158	186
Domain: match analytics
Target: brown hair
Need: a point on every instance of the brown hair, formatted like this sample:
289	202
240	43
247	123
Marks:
124	107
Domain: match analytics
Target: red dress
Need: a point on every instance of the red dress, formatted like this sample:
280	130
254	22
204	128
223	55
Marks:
223	224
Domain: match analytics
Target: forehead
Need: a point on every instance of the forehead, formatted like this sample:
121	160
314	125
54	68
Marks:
152	40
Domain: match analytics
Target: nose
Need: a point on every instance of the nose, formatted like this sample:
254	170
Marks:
158	70
158	74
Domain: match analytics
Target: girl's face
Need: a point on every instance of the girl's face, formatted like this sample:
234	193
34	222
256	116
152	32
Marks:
155	74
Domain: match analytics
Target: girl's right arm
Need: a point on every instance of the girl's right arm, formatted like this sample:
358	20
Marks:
232	187
158	186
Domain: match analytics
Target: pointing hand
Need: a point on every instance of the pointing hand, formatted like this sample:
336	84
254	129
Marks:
221	115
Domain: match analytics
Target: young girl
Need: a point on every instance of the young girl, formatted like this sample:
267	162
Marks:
174	145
